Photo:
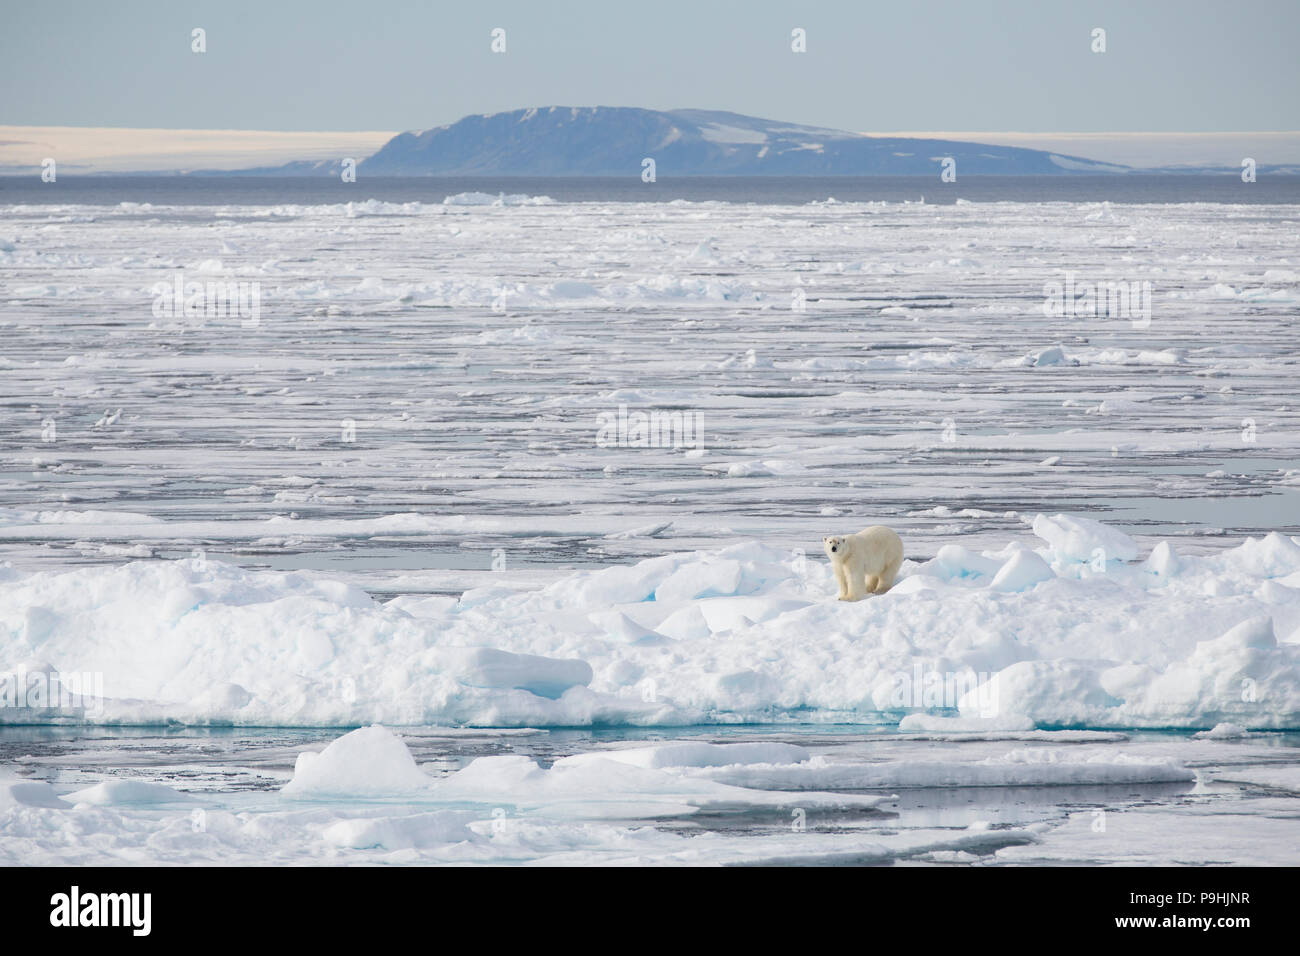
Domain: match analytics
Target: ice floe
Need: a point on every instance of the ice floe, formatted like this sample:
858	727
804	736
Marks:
1017	638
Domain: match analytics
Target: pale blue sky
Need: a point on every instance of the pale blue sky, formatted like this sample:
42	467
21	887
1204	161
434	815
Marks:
1018	65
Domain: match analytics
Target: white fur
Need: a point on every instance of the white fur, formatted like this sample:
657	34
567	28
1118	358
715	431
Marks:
866	562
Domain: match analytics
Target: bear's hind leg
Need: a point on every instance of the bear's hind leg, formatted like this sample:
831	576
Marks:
886	579
872	583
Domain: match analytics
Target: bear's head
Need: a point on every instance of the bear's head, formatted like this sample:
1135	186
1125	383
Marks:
833	545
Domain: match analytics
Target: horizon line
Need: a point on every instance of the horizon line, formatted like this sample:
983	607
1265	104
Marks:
127	149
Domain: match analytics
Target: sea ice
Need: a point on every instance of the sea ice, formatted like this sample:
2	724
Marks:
745	632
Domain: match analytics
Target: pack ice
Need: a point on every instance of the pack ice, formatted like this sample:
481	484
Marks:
1070	630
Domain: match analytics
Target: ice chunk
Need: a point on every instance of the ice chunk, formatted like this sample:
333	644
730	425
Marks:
954	561
225	697
543	676
623	584
1269	778
1052	356
416	831
1226	678
725	614
693	754
644	531
1021	572
619	627
423	606
700	579
1223	731
1023	767
369	761
1274	555
1062	692
685	624
932	723
1163	562
599	786
1074	538
488	199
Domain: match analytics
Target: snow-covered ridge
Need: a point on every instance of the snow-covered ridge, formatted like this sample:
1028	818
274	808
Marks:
1075	631
603	140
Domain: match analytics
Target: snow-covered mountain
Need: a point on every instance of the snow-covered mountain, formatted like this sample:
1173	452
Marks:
613	141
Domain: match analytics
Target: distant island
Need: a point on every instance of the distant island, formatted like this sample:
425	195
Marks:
615	140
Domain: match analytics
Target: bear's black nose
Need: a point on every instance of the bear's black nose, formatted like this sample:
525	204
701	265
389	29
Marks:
833	550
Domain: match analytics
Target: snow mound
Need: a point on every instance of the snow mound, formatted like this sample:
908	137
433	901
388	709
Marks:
18	793
128	792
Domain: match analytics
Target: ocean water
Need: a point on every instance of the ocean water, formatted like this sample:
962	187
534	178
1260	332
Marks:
473	349
274	190
414	407
219	801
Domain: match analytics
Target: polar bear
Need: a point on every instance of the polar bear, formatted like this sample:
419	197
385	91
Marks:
865	562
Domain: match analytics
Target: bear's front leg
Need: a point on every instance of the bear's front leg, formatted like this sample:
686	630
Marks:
857	576
842	579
